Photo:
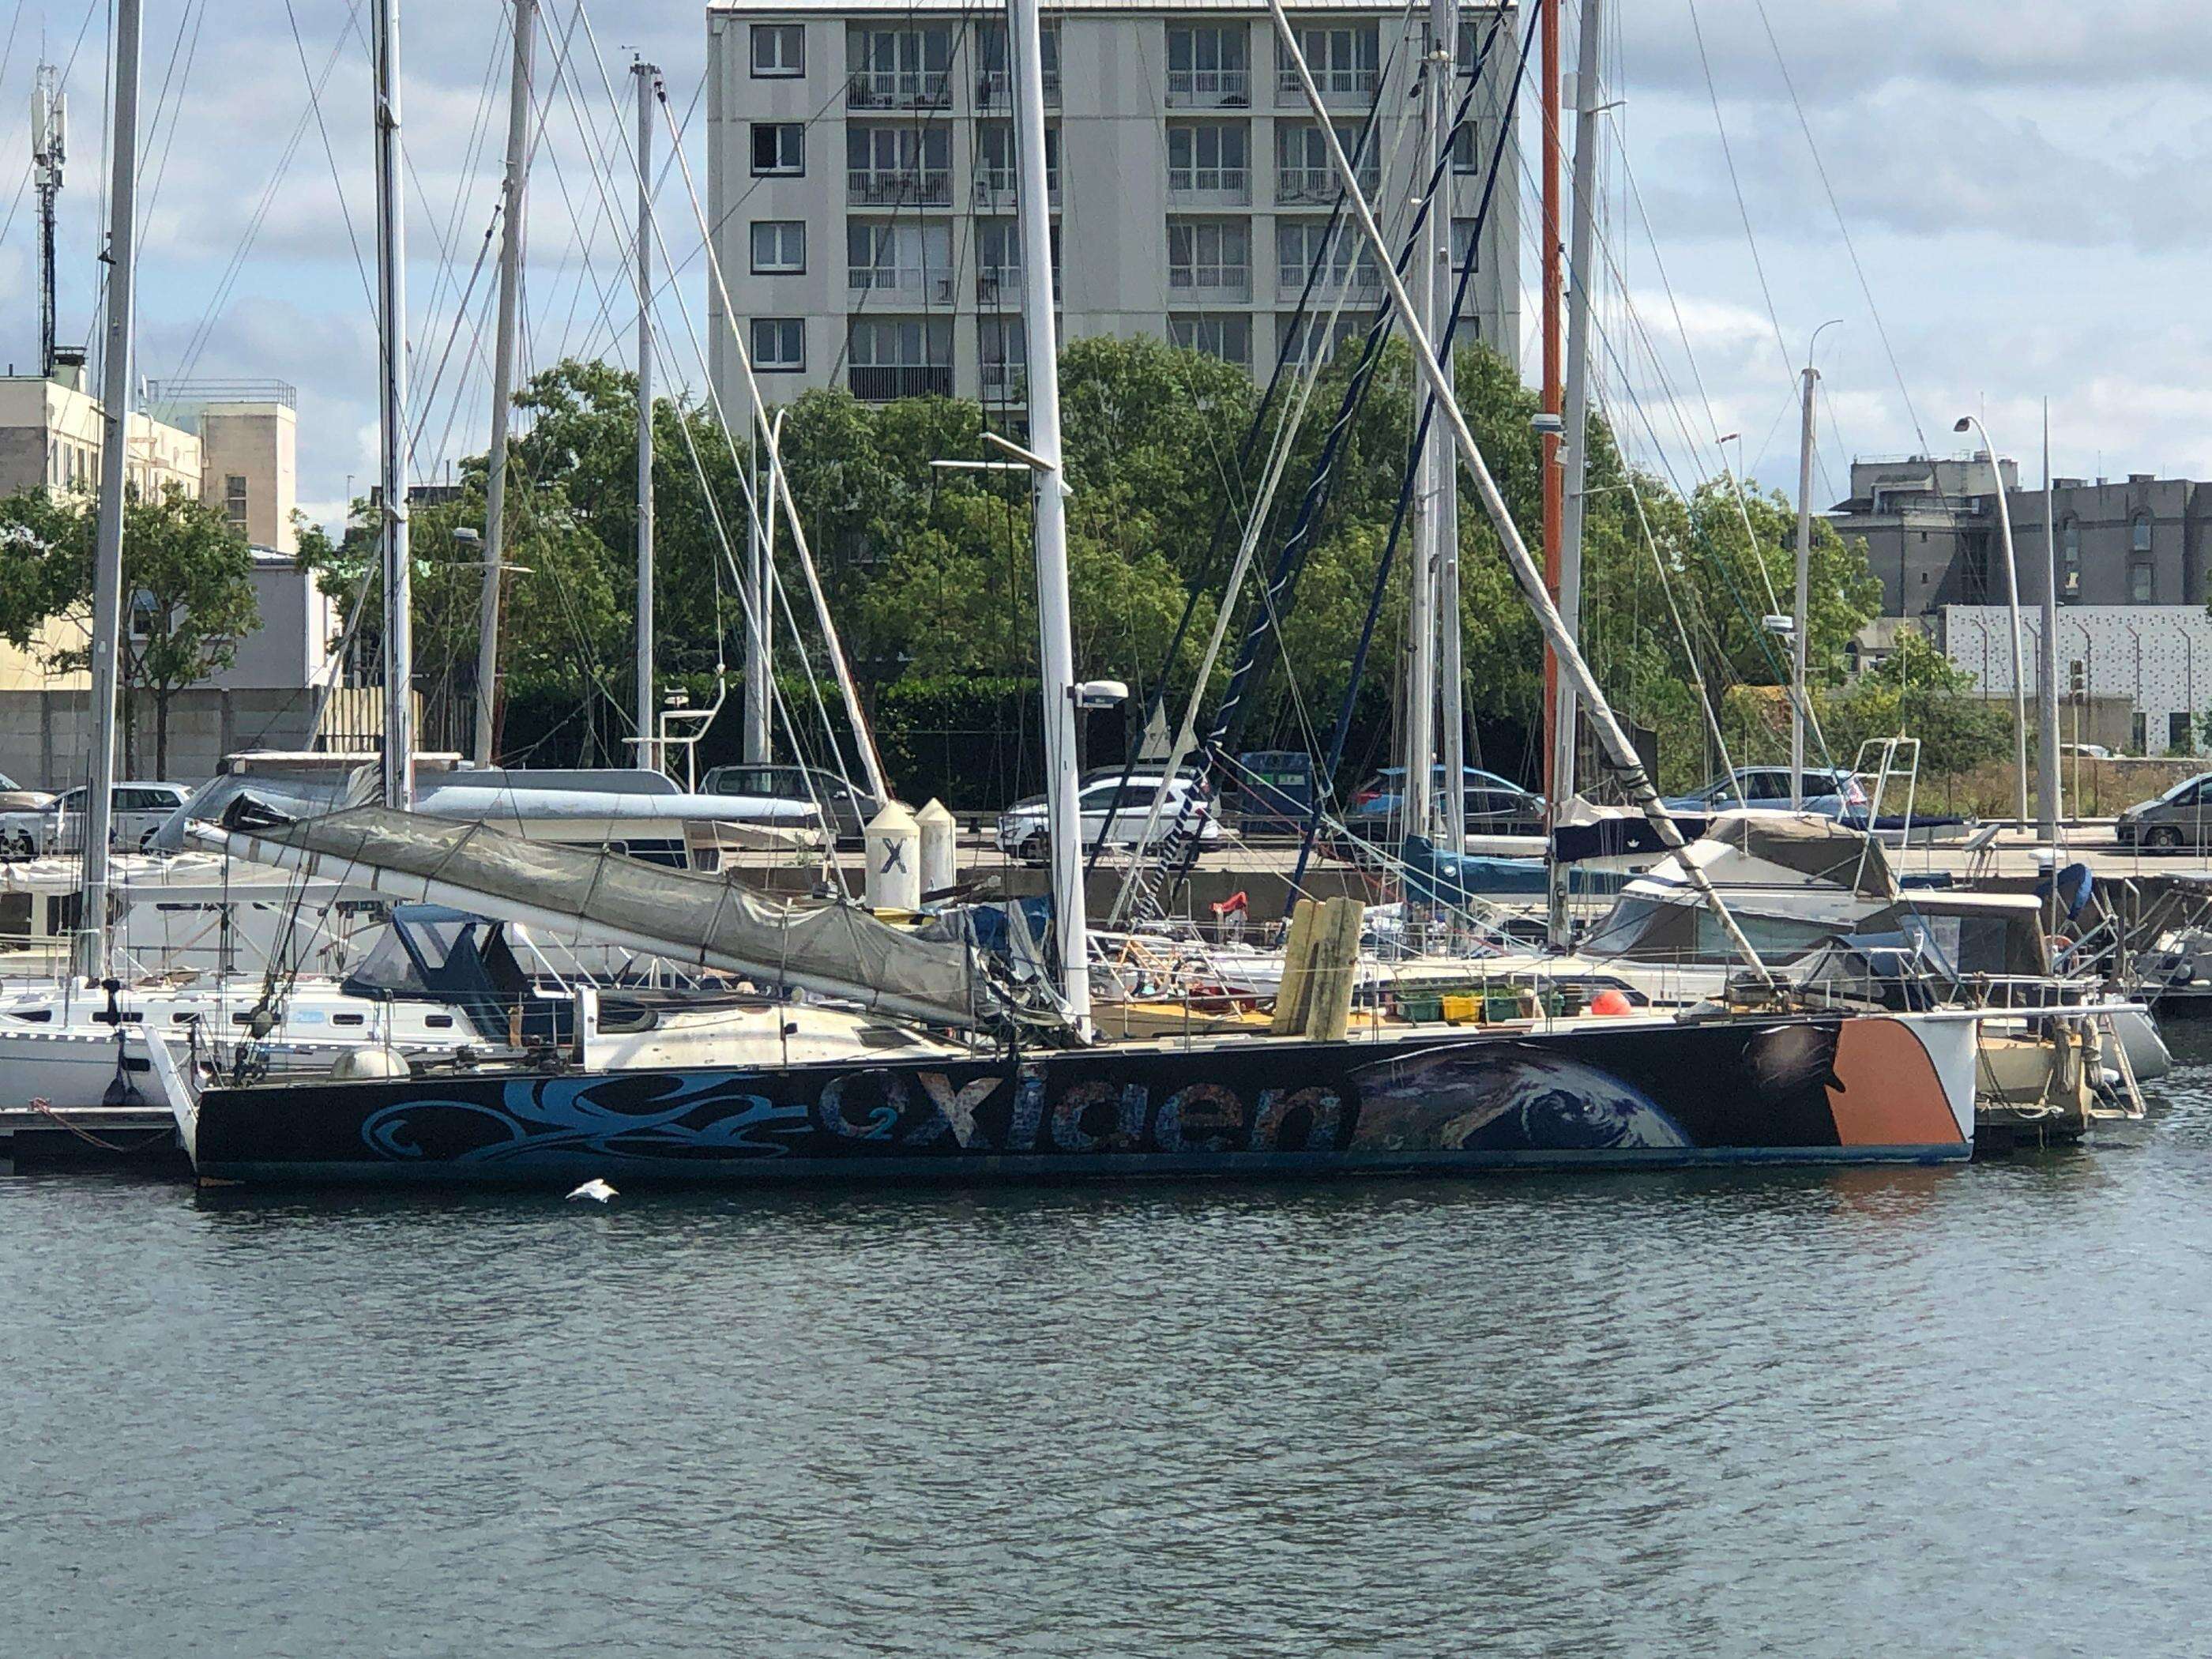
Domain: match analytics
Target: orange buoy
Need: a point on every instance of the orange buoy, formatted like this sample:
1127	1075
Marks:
1610	1002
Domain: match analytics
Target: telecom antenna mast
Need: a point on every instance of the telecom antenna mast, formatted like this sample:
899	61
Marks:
49	149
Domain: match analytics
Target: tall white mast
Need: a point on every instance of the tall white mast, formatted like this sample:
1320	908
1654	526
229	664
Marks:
1799	604
392	328
1444	38
648	79
2046	656
1581	279
1055	628
115	458
513	192
760	529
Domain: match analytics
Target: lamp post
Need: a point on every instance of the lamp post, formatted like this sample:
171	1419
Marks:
1970	423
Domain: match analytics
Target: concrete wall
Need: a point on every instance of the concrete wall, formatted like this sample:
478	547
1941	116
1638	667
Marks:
2154	661
44	735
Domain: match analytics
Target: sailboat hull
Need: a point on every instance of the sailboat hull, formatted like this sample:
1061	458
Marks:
1813	1090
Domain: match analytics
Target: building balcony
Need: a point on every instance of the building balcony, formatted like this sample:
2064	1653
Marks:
1360	282
899	186
1003	380
875	384
1001	285
1350	88
899	90
994	89
1315	187
1209	186
909	281
1223	89
1201	282
995	189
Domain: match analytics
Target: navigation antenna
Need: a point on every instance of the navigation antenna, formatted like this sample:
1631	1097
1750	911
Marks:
49	149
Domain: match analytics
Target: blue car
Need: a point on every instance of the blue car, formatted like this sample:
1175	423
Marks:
1495	807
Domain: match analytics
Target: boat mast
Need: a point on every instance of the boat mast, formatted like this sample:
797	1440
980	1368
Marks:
391	327
1555	479
502	373
2046	655
1417	801
1443	41
759	528
1620	754
648	79
1798	603
114	459
1565	719
1055	630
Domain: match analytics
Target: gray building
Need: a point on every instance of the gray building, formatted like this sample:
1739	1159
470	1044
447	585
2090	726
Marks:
1931	534
861	170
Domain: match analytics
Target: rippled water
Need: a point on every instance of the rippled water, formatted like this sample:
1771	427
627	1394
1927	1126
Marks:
1927	1412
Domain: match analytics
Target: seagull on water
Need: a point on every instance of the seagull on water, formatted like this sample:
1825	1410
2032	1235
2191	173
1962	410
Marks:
596	1188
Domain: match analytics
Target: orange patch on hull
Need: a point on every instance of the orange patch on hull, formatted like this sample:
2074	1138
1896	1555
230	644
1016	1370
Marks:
1890	1094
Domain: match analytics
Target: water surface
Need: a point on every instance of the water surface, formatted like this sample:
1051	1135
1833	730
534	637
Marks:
1922	1412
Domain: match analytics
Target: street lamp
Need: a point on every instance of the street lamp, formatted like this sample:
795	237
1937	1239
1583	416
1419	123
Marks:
1969	423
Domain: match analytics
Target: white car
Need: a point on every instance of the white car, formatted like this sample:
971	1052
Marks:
139	809
1022	831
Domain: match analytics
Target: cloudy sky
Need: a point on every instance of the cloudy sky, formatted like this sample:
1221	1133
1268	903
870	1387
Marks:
2021	185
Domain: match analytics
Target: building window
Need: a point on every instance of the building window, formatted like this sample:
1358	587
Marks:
994	166
898	165
993	73
888	357
1466	156
2139	734
1344	59
1210	158
999	262
2139	534
1209	259
1305	176
2141	589
910	257
1002	355
780	343
2069	558
1224	334
1463	244
898	68
779	148
779	246
1208	67
1306	247
234	499
1310	340
778	50
2177	734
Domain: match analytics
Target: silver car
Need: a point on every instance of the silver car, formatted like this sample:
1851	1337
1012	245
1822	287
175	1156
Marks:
2176	819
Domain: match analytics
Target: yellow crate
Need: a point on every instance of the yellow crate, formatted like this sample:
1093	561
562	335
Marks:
1458	1009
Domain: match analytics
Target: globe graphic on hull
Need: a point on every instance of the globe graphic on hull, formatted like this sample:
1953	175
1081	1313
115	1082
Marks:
1505	1100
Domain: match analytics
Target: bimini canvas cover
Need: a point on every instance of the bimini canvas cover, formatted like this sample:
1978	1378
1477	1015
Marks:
1815	848
685	916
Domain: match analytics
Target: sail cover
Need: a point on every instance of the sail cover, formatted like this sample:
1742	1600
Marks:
685	916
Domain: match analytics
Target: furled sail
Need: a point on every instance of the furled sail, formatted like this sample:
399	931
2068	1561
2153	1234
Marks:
683	915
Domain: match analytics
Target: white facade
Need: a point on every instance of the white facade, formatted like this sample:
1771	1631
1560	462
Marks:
860	178
2156	657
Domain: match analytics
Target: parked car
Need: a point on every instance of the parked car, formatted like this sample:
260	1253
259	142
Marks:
2174	820
1023	833
1495	807
137	811
1827	792
15	797
848	807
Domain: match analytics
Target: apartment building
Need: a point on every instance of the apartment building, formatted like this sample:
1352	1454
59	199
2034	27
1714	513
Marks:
861	178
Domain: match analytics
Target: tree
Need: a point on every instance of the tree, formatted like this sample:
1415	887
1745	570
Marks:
188	587
1917	691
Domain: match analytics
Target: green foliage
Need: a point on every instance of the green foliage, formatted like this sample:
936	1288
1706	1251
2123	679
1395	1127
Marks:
1916	692
187	581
